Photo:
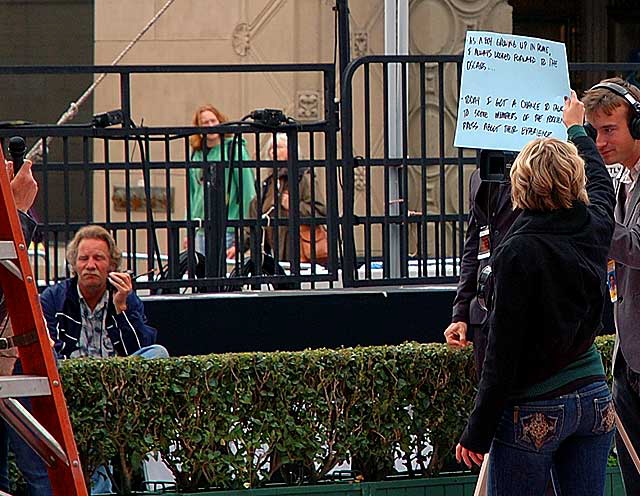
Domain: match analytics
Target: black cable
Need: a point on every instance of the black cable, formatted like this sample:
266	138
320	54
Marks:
221	234
102	120
135	143
147	191
243	122
256	122
235	142
489	206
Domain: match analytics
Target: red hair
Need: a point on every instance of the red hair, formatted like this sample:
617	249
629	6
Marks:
196	139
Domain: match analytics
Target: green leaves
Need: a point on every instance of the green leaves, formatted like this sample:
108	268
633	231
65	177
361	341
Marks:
242	420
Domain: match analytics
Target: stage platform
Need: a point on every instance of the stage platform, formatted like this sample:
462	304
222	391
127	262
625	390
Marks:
198	324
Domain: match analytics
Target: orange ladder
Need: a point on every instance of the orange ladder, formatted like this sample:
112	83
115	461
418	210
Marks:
48	430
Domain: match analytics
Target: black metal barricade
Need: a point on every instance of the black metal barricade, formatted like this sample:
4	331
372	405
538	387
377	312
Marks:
415	233
405	195
402	184
129	177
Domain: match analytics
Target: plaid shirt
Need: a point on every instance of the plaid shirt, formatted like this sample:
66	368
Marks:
94	340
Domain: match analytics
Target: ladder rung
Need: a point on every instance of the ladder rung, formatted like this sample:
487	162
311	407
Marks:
7	250
16	386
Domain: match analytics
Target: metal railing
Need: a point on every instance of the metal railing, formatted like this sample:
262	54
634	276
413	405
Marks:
402	183
415	234
411	230
130	177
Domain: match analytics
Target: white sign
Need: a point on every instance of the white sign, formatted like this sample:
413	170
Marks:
512	91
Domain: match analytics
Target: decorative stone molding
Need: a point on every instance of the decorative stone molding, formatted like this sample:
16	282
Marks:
474	7
308	105
241	39
359	43
138	199
439	27
432	27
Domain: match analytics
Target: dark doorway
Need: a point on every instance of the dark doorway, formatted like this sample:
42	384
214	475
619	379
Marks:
51	32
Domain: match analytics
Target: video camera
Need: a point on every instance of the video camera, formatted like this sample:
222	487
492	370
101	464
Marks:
495	165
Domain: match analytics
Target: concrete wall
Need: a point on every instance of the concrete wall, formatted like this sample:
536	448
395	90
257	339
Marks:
277	31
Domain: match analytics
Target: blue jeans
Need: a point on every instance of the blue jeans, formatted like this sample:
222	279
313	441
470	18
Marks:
571	433
229	241
29	463
31	466
152	351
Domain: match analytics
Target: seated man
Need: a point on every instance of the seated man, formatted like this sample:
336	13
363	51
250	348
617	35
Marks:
96	313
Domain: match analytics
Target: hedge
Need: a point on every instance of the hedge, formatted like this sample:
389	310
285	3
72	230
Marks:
243	420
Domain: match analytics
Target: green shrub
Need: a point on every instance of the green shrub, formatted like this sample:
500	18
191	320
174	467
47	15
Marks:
241	420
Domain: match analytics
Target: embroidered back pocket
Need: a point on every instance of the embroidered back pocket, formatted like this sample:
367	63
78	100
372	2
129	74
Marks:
538	427
605	415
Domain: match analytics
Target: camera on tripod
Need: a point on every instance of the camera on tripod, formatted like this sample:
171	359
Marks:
495	165
269	117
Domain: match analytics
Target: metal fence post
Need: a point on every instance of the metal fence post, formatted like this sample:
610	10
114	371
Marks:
396	42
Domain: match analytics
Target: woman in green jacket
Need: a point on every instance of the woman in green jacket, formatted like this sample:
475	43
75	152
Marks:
242	188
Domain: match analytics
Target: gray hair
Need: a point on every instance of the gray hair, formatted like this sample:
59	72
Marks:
93	232
280	138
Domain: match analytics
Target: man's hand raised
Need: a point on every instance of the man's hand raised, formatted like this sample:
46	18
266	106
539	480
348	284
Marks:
123	286
23	185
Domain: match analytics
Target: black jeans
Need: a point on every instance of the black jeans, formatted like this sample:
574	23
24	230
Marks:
626	397
478	334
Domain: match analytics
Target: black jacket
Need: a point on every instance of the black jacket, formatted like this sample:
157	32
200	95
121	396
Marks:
549	294
28	230
127	330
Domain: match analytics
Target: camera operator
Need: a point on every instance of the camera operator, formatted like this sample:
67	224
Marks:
490	217
24	189
542	398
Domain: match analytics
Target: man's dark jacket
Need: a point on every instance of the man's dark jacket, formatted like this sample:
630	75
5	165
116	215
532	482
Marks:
127	330
28	230
625	250
489	205
549	295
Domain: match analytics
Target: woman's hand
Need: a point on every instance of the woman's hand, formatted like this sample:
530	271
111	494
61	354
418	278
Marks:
284	200
468	456
231	252
573	111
